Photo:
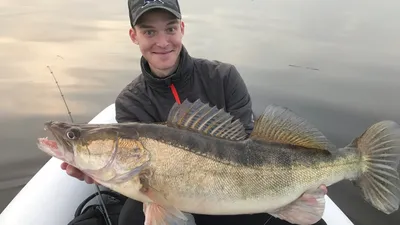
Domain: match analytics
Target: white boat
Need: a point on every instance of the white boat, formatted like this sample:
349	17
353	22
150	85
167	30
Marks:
51	196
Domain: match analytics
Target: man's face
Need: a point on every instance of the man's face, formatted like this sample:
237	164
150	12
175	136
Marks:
159	36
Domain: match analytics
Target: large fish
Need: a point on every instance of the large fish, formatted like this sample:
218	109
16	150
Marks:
202	161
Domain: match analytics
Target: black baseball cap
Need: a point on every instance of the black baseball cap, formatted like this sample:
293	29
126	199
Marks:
138	7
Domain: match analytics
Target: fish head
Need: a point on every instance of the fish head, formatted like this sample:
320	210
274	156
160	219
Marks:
92	147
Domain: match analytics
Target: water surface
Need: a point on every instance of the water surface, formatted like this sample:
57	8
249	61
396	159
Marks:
333	62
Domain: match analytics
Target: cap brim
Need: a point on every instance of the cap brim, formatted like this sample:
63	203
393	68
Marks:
175	13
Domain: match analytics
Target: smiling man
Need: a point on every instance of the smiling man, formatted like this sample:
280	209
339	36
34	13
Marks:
170	75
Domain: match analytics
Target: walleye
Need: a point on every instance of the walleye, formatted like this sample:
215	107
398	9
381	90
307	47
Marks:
202	161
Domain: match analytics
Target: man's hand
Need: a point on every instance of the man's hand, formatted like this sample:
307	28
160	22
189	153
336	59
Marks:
311	197
74	172
324	188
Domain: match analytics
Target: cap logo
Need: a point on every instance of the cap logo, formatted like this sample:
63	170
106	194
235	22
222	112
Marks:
147	2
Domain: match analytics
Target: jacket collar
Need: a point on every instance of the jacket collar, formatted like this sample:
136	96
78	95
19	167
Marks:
179	78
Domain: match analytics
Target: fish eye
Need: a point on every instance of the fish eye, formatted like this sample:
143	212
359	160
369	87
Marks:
73	133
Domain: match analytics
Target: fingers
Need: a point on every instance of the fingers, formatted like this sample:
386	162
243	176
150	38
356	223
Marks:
89	180
64	165
74	172
324	188
311	196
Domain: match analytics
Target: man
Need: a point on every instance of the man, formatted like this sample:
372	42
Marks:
169	75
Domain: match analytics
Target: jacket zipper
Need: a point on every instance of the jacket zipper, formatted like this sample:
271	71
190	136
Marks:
175	93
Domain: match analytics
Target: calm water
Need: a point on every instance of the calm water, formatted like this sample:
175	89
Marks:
336	63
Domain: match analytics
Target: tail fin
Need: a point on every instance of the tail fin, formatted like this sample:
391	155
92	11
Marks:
380	153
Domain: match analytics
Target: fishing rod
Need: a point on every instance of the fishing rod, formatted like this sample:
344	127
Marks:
99	198
62	95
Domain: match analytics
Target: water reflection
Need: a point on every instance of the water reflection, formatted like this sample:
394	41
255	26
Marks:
353	45
85	52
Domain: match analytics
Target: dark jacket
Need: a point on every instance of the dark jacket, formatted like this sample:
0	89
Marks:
149	99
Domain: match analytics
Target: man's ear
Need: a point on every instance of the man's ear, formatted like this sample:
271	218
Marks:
183	27
133	35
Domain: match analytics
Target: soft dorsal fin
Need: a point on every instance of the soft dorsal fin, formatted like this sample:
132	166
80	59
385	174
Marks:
279	124
202	118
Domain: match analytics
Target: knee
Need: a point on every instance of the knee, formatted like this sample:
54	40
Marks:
131	213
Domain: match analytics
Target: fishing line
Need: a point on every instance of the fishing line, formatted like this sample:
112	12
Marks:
99	198
268	220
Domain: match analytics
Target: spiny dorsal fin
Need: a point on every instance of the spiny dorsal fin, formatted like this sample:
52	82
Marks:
202	118
281	125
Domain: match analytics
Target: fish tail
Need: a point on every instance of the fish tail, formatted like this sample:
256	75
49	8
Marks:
379	181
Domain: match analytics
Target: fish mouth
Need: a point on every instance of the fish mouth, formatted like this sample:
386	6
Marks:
50	147
59	147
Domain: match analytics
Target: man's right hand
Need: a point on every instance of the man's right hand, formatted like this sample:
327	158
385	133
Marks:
74	172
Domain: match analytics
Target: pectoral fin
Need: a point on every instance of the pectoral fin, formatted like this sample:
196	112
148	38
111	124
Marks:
160	212
306	210
156	214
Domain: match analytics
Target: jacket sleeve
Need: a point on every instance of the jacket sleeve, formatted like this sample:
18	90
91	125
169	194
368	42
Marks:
129	108
124	110
238	101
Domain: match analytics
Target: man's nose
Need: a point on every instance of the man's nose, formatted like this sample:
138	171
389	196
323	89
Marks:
162	40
